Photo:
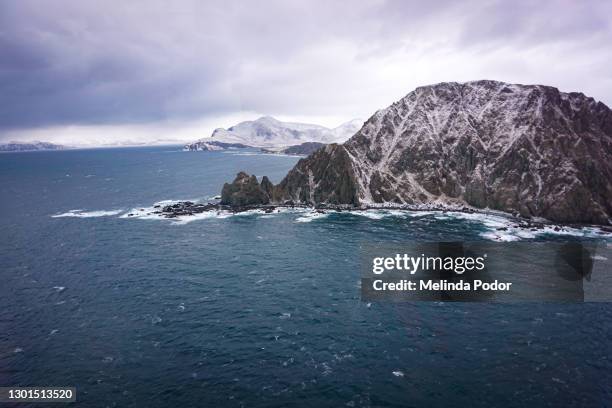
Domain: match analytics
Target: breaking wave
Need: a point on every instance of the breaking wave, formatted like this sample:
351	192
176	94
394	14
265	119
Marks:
87	214
494	227
311	216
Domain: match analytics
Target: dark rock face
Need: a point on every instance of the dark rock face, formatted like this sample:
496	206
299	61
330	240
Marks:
524	149
326	176
527	149
246	190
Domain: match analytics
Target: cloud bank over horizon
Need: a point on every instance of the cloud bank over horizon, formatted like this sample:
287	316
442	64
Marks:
94	73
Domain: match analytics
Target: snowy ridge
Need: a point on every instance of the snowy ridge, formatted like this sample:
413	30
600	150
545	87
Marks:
267	132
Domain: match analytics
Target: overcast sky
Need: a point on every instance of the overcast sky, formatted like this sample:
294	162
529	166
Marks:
97	72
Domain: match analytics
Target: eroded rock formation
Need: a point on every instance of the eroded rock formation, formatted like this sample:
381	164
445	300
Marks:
526	149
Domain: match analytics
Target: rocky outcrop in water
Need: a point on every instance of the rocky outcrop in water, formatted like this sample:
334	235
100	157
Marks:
246	190
525	149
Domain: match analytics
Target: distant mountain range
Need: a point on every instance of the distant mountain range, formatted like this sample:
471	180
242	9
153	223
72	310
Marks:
525	149
28	147
267	132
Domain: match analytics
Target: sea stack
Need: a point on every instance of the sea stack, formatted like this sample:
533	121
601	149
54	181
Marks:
246	190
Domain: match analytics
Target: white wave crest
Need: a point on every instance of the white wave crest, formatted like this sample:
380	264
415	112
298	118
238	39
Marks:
497	227
87	214
379	214
505	229
311	216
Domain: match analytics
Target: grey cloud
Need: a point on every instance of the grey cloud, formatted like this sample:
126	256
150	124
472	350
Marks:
103	62
536	23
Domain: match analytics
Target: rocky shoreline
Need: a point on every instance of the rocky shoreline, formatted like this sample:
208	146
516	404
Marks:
189	208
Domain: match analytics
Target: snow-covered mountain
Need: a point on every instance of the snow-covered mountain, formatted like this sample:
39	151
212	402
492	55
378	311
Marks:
526	149
268	132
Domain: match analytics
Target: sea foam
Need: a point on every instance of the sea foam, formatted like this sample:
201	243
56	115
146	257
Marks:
87	214
496	227
311	216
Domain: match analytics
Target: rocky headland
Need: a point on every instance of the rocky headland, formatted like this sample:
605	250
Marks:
527	150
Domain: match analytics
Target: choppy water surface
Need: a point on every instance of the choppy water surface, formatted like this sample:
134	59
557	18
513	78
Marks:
256	309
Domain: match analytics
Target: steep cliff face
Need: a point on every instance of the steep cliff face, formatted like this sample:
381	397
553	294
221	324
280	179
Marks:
526	149
326	176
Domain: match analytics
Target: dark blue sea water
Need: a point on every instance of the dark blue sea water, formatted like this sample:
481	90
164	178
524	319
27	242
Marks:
253	310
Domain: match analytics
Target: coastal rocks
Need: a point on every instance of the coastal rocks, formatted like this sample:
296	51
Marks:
246	190
184	208
329	166
267	186
498	226
529	150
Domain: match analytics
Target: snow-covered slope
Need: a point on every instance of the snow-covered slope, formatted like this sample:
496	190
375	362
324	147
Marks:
268	132
527	149
343	132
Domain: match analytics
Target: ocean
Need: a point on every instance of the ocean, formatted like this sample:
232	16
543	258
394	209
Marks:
257	309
